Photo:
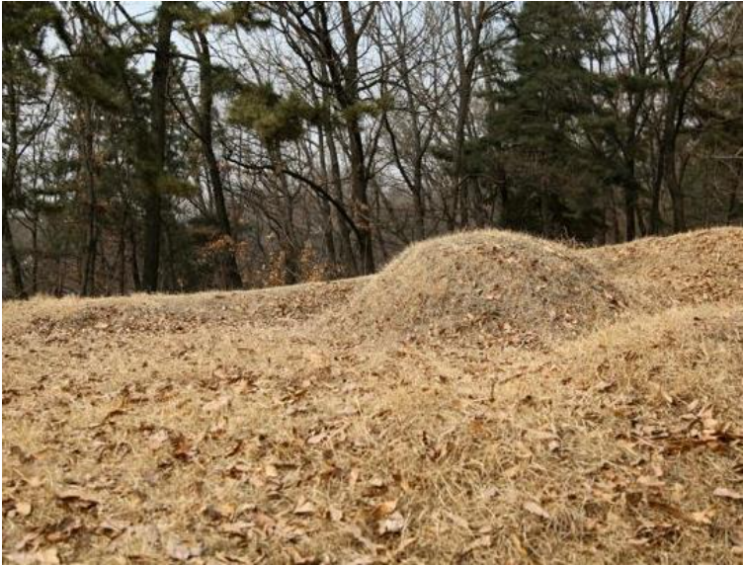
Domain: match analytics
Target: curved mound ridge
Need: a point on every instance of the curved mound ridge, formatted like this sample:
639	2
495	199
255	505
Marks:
689	268
491	281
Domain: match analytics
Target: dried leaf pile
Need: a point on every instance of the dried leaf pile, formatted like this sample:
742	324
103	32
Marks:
265	427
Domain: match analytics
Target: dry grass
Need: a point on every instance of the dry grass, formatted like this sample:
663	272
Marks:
488	398
692	268
513	288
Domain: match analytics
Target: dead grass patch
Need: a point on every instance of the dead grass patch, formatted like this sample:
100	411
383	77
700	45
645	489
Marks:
518	289
690	268
266	430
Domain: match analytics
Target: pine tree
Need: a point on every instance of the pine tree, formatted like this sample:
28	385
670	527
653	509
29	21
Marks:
541	117
276	120
24	80
105	72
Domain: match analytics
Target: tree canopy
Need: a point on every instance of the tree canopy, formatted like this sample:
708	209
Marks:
185	146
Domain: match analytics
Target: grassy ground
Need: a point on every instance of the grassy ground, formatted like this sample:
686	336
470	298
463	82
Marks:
488	398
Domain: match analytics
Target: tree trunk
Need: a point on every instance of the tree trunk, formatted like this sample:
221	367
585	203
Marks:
466	66
35	252
136	280
344	79
733	203
419	206
544	206
122	258
325	211
349	259
171	280
289	241
631	191
674	189
10	256
361	207
152	236
206	102
685	73
156	164
654	223
91	247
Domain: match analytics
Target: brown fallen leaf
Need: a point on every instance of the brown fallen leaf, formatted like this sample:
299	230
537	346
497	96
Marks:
304	508
383	509
335	513
236	528
394	524
218	404
23	508
231	558
737	539
542	435
703	517
364	560
158	439
181	446
650	481
299	559
113	528
264	521
482	542
511	472
48	556
317	438
180	551
64	529
537	510
605	386
34	482
111	414
26	541
377	482
219	511
235	448
78	496
727	493
355	532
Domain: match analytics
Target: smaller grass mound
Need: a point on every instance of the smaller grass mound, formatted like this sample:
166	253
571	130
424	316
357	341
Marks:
514	287
176	313
689	268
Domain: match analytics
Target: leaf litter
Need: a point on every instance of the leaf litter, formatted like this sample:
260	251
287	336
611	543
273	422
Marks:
345	423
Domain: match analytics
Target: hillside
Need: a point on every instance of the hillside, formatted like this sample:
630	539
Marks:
487	398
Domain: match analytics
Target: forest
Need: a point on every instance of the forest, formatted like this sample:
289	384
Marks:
184	146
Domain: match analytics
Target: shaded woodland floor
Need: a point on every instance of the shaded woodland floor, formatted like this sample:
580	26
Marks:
488	397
